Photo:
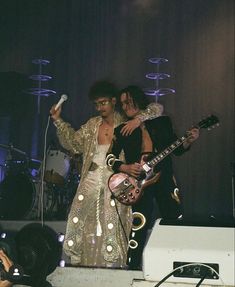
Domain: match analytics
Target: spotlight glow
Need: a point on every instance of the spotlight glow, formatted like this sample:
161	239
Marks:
62	263
61	237
3	235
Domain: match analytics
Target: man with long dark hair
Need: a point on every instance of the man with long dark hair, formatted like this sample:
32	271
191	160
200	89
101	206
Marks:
150	138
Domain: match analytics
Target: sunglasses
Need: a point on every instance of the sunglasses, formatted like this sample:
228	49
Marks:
101	103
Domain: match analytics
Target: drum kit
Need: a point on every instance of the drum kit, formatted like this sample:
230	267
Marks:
21	185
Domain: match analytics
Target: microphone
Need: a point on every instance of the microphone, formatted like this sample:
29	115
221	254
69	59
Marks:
63	98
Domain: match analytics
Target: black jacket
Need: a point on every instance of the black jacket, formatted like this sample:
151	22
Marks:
161	134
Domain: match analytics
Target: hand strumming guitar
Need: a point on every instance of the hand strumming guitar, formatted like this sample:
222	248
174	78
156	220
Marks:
131	169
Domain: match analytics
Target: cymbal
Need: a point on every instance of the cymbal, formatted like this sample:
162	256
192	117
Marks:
4	146
11	147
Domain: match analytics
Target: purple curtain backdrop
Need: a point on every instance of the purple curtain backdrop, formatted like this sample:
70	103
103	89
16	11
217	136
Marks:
90	40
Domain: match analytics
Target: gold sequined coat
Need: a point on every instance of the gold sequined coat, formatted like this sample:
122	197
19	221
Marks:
88	241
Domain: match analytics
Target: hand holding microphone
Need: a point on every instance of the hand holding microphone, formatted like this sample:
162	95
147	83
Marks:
56	109
9	272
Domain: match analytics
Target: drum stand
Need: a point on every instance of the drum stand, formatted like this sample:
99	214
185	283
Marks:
58	210
62	179
16	188
62	198
66	195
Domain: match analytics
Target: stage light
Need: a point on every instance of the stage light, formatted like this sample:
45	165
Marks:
62	263
3	235
61	237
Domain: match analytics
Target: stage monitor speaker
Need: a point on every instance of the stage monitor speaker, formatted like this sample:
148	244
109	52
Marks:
171	245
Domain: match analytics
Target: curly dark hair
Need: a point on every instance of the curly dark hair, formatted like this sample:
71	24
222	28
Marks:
138	96
103	88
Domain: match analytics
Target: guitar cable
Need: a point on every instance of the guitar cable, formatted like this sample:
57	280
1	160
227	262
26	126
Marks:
110	160
119	218
180	268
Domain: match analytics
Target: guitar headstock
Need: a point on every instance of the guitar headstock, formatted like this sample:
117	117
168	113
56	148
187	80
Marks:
208	123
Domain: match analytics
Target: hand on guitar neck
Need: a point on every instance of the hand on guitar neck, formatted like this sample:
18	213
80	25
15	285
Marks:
136	168
192	135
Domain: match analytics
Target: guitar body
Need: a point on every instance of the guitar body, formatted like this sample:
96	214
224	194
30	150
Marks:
127	189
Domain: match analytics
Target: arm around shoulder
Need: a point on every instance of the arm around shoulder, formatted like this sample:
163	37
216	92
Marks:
153	110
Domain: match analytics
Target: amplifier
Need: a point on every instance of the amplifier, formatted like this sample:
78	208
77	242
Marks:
200	248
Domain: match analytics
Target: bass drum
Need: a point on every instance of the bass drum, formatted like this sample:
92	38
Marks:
49	201
19	197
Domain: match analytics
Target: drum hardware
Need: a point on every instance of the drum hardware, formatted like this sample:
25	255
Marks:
17	162
55	212
57	179
34	164
71	188
49	198
17	194
64	195
20	188
11	148
53	177
20	195
16	166
2	172
57	167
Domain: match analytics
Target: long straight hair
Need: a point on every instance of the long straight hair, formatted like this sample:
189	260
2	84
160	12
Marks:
138	96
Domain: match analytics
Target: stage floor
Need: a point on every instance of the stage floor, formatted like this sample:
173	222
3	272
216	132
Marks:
91	277
101	277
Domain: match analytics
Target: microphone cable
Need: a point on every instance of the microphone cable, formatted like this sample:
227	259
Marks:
41	193
41	188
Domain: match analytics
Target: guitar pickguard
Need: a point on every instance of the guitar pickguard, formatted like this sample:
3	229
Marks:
127	189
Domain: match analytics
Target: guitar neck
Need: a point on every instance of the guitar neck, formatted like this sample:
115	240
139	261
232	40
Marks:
167	151
209	122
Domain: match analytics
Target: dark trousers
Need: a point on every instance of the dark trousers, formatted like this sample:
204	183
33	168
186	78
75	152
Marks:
169	209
